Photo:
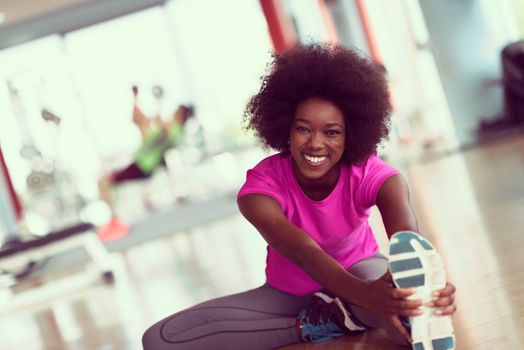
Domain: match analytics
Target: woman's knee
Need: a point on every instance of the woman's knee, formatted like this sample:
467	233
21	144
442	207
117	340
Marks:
370	269
164	334
152	338
170	332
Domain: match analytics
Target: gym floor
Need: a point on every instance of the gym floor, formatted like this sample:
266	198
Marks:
470	205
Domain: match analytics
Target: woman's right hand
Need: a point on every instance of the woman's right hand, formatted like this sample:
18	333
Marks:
382	297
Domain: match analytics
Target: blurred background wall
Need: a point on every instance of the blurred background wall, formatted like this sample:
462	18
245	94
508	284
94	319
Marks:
79	58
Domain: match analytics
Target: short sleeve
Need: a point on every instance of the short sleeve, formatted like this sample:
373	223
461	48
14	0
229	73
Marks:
265	183
375	173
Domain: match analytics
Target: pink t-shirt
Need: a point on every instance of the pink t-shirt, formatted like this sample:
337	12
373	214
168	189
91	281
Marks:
338	223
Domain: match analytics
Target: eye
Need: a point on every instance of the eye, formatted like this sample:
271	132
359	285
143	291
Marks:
333	132
302	129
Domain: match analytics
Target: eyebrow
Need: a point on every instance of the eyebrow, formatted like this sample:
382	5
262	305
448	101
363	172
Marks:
335	124
328	124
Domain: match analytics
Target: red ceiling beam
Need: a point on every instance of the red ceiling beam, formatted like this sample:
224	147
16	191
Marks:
368	30
280	26
13	197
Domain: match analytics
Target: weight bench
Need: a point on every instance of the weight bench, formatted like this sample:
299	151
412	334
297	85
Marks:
55	243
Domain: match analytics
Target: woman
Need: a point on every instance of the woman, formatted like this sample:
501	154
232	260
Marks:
325	109
157	138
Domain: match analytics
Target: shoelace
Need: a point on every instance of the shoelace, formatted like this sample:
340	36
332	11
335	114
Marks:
322	312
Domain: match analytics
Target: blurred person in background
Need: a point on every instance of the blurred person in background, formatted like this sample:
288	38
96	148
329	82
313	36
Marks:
325	109
158	136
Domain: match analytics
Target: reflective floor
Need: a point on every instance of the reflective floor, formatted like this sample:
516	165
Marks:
469	204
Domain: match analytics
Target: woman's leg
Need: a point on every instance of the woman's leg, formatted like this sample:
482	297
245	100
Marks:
372	269
326	317
262	318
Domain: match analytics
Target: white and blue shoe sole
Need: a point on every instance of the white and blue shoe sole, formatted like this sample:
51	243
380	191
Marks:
414	262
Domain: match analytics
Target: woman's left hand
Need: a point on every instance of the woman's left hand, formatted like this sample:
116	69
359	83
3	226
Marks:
444	300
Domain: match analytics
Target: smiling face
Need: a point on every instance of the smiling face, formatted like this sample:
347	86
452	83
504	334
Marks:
317	141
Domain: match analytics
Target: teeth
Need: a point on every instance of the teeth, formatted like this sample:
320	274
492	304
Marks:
315	159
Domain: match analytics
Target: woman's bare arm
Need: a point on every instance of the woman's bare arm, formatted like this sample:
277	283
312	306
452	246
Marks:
268	218
395	207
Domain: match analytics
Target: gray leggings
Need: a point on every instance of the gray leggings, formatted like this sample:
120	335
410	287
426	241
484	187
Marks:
259	319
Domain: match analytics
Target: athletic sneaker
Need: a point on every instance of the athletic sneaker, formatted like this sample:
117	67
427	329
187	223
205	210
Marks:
413	262
326	318
112	230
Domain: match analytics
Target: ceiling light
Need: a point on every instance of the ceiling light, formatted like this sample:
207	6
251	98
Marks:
2	17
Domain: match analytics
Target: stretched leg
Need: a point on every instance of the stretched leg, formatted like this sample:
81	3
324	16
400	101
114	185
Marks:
115	228
105	184
108	181
370	270
262	318
326	317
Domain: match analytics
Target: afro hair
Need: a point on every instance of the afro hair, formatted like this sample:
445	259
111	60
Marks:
353	83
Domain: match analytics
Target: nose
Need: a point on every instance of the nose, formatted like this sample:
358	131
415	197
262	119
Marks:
316	141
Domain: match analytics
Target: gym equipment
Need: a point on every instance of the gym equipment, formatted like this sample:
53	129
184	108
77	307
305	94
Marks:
36	252
52	199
